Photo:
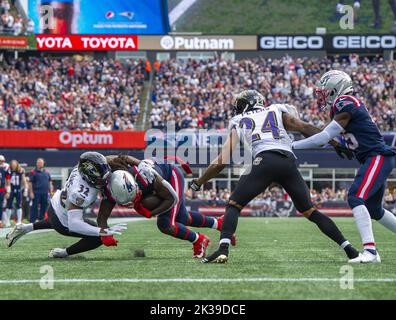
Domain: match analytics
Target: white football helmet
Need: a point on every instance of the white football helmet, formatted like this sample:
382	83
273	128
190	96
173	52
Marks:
332	84
123	187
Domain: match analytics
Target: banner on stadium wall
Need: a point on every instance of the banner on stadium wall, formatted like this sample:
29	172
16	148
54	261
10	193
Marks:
99	16
13	42
72	139
87	42
330	43
201	43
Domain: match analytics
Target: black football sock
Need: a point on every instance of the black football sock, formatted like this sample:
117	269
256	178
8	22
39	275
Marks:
85	244
230	223
42	224
351	252
327	226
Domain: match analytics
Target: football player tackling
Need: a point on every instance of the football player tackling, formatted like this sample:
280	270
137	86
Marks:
65	213
351	118
264	130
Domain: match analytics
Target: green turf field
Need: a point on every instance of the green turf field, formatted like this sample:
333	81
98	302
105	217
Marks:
276	17
272	250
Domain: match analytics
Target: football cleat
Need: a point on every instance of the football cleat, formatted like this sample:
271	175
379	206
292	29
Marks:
366	257
219	256
200	246
57	253
16	233
220	227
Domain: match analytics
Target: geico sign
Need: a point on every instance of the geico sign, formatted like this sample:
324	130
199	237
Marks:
85	138
364	42
196	43
291	42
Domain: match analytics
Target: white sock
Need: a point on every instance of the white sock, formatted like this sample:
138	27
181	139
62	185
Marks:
215	224
27	227
363	222
8	217
225	240
345	244
19	216
388	221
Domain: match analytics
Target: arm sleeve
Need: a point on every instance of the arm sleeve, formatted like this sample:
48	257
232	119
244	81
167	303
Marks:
76	224
331	131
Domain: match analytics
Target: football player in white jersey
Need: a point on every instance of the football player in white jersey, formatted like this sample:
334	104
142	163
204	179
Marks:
264	130
65	213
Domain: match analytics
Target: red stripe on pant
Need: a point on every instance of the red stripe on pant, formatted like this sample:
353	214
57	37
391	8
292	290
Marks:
374	176
175	183
366	176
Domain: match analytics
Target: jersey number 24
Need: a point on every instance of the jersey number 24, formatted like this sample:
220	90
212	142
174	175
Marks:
270	125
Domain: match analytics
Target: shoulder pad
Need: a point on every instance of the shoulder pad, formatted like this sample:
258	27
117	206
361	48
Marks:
345	104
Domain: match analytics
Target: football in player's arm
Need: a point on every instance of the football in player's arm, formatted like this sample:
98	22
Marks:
160	188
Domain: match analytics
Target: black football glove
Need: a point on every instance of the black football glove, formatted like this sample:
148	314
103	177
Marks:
342	151
194	185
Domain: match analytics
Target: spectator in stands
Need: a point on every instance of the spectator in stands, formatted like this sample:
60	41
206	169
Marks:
39	187
61	94
198	94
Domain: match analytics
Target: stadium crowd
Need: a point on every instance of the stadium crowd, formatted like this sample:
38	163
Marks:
67	93
198	94
12	23
62	93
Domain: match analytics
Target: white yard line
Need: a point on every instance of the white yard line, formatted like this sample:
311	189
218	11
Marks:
179	10
189	280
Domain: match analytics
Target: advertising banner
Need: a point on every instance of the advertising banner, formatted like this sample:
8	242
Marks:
99	16
87	42
330	43
11	42
201	43
72	139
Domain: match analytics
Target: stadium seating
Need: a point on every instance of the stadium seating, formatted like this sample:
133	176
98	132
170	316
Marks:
198	94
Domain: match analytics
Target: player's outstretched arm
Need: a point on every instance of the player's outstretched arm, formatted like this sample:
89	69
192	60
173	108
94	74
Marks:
294	124
219	163
318	137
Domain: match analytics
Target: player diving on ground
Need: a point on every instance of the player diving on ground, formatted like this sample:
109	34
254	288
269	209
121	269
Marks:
263	129
158	190
65	213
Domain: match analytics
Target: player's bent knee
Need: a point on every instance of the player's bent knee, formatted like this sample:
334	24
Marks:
354	201
307	213
164	225
234	204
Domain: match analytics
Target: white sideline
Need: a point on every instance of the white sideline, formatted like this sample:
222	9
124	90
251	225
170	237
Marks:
179	10
189	280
